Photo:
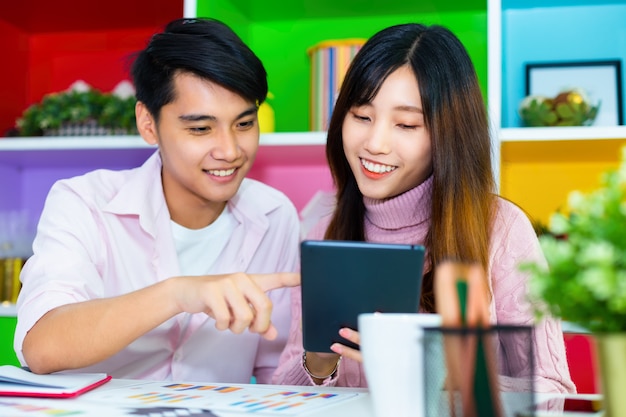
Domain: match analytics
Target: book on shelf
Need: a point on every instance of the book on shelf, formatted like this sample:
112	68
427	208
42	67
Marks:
19	382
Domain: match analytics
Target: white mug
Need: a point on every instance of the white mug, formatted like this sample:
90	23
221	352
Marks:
392	345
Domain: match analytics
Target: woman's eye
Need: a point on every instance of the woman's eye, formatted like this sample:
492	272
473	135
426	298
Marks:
360	117
408	127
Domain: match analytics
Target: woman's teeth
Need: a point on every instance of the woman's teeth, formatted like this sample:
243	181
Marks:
377	168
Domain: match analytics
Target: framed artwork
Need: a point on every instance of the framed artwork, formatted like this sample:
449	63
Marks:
602	80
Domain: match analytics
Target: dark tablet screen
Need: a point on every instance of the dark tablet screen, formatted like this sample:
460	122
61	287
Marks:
342	279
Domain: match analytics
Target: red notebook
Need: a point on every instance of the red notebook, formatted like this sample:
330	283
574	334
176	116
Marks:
17	382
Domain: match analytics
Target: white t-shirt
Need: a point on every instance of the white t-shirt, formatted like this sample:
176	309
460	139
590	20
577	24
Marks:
198	249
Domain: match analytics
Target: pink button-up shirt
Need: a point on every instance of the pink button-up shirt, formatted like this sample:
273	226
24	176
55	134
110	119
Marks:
108	233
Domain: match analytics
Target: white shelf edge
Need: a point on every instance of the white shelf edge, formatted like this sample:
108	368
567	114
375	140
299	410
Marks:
136	142
293	138
298	138
8	310
569	327
523	134
43	143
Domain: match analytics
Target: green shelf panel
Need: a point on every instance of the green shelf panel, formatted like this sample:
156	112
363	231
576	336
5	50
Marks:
7	329
281	33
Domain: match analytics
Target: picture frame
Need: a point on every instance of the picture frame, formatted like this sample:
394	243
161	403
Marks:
602	80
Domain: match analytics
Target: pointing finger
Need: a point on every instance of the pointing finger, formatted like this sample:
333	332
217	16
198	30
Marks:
278	280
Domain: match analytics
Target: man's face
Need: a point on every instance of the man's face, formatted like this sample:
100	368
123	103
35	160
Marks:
208	138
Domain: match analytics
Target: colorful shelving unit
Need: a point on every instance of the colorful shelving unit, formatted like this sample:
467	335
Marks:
51	44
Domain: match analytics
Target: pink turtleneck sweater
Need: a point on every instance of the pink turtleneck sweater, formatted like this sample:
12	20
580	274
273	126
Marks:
405	219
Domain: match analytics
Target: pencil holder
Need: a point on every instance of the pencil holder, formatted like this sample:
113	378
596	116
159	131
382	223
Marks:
476	372
329	62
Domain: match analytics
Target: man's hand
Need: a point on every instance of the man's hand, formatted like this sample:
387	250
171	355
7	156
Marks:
236	301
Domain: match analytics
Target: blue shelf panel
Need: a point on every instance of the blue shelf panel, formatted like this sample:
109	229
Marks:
529	4
573	32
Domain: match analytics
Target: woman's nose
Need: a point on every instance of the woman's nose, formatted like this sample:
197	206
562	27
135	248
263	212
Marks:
378	141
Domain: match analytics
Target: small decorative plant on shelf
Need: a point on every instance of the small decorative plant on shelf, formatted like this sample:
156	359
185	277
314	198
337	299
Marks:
584	281
571	107
83	111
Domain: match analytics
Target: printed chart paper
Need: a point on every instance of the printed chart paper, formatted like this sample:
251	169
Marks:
164	399
220	397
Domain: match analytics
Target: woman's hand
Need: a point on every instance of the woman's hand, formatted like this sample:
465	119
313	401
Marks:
345	351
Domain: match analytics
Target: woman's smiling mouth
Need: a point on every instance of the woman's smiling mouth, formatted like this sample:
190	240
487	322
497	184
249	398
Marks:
377	168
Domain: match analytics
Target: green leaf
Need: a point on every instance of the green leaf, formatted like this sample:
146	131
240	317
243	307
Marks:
549	118
564	111
78	107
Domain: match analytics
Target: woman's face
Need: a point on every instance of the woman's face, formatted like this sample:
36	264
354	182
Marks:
385	141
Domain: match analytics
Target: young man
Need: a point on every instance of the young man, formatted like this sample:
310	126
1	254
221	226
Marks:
161	272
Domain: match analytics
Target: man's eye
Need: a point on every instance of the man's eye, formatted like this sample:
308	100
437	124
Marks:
246	125
199	129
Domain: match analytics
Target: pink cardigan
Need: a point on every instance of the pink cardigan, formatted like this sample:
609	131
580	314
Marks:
405	219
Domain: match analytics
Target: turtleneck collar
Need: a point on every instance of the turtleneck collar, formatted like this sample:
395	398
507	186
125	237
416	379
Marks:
407	209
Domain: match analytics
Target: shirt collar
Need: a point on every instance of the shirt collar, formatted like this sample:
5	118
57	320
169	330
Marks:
142	195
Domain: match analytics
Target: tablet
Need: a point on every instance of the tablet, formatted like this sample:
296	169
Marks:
342	279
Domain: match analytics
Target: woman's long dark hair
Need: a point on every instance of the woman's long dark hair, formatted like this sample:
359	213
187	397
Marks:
456	118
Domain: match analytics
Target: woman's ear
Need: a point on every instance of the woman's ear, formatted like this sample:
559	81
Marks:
146	125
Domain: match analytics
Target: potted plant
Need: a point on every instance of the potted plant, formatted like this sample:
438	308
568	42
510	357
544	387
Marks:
584	281
81	110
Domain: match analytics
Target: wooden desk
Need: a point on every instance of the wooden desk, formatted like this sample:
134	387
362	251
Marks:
119	398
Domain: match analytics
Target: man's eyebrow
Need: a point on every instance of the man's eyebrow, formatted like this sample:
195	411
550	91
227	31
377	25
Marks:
252	110
196	117
203	117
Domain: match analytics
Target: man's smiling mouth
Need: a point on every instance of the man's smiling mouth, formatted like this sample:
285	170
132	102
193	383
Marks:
221	172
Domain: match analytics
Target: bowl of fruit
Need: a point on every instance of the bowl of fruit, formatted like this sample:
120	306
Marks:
571	107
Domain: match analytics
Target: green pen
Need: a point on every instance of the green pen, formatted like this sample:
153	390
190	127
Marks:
482	383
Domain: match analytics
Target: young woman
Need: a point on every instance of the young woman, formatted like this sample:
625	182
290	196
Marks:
410	153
